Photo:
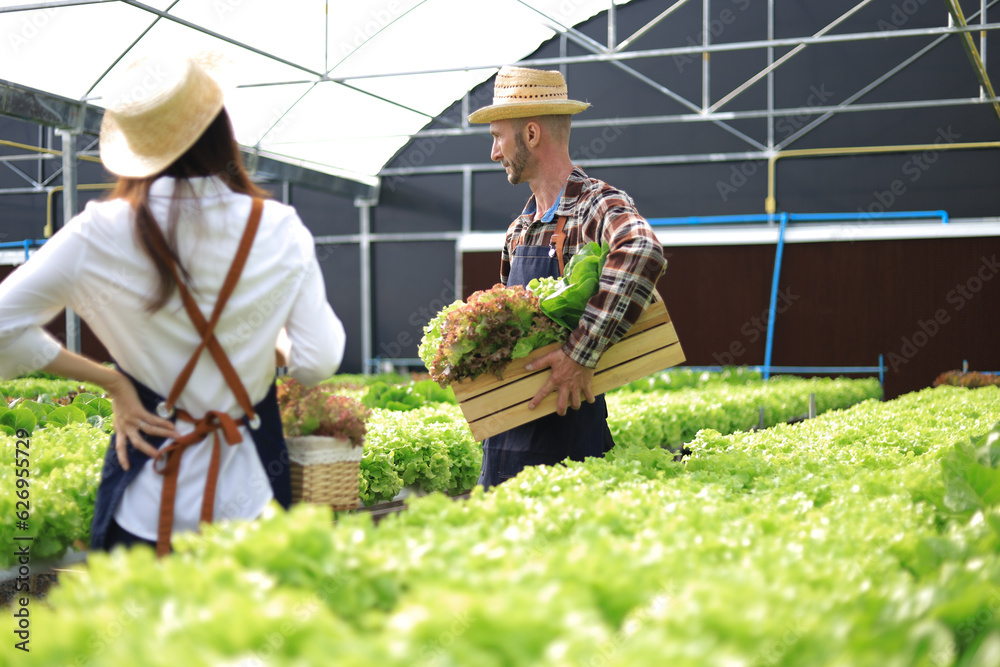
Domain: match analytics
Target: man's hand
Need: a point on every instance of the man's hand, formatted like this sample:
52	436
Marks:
568	377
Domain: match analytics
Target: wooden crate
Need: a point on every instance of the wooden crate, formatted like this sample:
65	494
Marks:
493	405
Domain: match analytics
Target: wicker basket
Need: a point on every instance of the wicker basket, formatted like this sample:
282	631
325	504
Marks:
324	471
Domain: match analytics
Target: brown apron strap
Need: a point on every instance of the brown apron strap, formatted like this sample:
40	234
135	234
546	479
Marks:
213	421
559	237
207	329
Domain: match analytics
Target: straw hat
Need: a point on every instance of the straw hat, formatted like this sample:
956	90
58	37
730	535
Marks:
520	92
163	107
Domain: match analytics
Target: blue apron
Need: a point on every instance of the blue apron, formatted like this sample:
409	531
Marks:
268	439
549	439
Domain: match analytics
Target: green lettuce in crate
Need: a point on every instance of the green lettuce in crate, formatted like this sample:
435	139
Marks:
564	299
483	334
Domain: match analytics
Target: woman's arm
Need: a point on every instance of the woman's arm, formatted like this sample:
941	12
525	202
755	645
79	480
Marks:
131	419
315	334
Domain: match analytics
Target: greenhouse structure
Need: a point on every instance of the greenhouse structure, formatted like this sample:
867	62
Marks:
823	180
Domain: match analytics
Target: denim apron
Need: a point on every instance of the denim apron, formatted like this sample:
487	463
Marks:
549	439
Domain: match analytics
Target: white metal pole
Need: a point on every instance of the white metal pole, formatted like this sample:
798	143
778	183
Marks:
364	220
68	138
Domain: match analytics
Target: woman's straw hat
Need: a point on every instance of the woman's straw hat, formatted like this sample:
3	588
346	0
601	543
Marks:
520	92
164	107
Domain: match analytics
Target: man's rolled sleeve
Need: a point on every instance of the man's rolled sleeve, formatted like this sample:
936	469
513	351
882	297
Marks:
629	277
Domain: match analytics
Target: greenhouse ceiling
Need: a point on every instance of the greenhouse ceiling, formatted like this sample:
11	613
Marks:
338	87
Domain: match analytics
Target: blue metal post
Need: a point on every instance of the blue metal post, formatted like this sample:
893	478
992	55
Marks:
881	370
774	296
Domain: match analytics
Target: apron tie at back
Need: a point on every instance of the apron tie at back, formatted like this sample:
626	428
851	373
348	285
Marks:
170	456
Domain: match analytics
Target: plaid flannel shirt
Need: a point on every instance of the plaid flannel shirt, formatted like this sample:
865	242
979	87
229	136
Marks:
595	211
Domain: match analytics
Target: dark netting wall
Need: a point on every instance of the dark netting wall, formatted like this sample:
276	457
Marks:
341	266
411	282
322	213
419	203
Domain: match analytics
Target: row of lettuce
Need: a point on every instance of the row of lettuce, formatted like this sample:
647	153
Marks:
420	450
869	536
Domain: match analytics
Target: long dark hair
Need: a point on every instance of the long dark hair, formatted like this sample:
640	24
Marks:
216	153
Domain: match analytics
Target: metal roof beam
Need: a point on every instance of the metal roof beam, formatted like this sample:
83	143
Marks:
735	115
867	89
55	4
785	58
599	49
47	109
649	26
275	170
662	53
52	110
320	76
978	62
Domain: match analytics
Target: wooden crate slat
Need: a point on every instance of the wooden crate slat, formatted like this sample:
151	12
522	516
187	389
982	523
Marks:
492	405
638	368
467	389
610	378
511	390
654	315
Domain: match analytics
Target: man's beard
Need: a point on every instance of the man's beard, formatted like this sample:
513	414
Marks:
519	161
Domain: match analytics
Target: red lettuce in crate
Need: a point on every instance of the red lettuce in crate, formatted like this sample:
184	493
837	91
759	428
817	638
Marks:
316	411
483	334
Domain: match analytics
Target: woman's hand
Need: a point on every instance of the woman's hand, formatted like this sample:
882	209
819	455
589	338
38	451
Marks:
132	421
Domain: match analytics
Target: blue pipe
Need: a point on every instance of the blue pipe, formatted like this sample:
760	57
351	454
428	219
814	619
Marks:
888	215
709	220
21	244
797	217
774	296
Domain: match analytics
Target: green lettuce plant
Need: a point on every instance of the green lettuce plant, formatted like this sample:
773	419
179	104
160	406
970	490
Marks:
565	298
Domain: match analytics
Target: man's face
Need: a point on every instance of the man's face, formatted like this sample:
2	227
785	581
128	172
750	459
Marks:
509	150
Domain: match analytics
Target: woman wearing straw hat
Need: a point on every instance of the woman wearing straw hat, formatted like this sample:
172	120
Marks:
187	276
530	123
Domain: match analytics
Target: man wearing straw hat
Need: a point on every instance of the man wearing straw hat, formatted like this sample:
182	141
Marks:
530	124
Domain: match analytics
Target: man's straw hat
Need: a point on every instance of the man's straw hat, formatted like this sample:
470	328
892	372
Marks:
163	108
520	92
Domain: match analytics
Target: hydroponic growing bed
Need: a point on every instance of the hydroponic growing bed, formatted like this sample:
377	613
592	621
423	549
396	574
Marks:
424	449
866	536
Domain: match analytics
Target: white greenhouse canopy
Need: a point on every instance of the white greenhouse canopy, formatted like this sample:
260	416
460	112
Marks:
338	87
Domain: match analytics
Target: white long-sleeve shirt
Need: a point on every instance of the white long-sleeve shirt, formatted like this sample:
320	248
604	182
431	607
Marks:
96	267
